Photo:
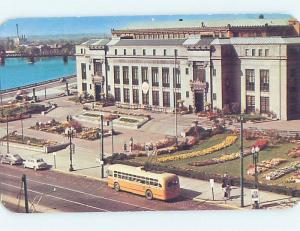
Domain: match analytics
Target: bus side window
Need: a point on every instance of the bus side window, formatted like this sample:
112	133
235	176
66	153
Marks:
119	175
159	185
134	178
115	174
109	173
124	176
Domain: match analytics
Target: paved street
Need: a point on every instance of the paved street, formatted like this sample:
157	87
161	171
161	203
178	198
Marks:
51	191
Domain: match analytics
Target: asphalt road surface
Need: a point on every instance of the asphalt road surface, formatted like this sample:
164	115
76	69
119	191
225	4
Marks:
54	191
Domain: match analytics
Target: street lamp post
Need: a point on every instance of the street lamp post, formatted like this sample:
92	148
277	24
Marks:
255	152
175	94
112	137
242	161
70	135
7	135
102	148
1	100
22	127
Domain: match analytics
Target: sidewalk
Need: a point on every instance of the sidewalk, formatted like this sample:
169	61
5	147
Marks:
201	191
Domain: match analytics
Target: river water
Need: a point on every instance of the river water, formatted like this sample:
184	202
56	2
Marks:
19	72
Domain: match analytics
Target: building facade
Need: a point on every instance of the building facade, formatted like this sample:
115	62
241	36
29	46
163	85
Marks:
214	28
238	74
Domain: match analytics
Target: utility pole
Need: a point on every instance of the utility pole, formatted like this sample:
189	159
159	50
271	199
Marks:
70	134
102	148
22	127
112	137
25	193
45	92
175	94
242	161
33	95
1	101
7	138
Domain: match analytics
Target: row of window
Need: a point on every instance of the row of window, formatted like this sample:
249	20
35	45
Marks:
264	80
97	69
146	52
135	178
145	97
264	104
144	71
257	52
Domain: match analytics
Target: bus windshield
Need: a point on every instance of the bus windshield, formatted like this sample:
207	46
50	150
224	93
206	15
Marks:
173	183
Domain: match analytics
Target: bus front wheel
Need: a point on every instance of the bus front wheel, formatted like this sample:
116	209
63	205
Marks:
117	187
149	195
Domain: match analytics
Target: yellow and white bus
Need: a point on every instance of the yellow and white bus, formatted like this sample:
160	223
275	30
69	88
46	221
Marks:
163	186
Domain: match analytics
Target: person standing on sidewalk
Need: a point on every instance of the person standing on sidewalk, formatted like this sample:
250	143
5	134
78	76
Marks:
226	187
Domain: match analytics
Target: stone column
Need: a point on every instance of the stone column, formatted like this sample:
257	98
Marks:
243	91
139	73
257	90
130	84
150	85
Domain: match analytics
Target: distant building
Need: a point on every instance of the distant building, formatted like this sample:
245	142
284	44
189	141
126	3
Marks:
241	74
214	28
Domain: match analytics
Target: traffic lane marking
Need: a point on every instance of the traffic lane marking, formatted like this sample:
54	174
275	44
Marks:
59	198
84	193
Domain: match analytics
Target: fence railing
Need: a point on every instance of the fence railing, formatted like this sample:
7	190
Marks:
37	84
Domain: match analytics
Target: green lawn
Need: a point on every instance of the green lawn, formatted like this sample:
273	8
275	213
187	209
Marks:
233	167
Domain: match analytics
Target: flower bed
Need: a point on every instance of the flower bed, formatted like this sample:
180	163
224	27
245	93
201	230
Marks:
265	166
32	141
295	152
261	143
163	143
226	143
283	171
14	118
56	127
128	120
229	157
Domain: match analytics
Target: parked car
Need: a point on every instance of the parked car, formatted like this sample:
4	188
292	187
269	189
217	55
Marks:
35	163
11	158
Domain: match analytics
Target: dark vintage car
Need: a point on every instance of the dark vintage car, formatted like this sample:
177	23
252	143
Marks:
11	158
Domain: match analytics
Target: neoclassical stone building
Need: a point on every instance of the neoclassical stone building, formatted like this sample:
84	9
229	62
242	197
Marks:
248	74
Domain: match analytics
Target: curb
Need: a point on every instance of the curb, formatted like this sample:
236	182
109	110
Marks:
79	174
24	146
217	202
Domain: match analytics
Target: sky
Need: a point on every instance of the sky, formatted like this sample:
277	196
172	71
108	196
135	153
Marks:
202	220
60	26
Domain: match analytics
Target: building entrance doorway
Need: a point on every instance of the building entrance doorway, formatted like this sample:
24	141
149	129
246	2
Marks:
97	92
199	106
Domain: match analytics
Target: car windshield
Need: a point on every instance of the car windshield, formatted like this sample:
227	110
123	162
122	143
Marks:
39	160
16	156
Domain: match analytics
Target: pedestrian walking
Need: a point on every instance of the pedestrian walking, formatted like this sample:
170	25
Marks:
226	187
